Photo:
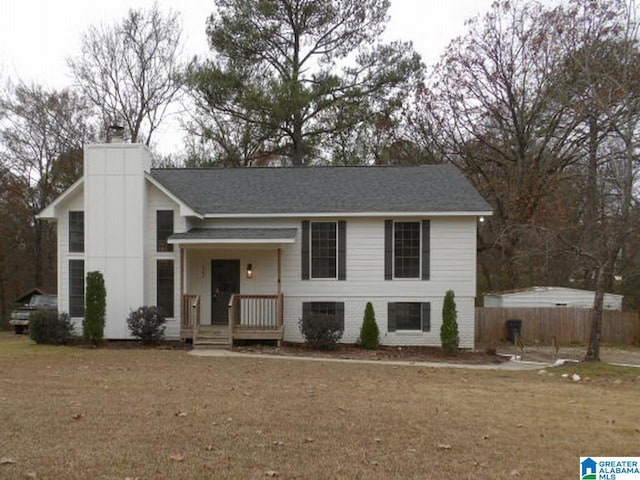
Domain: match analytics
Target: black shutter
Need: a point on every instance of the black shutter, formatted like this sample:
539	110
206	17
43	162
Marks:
340	313
342	250
391	317
306	309
305	250
426	317
388	250
426	247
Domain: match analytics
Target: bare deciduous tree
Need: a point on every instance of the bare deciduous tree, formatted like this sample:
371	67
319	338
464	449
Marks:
492	107
130	70
41	139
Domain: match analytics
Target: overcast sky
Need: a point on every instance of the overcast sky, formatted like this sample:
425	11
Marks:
36	36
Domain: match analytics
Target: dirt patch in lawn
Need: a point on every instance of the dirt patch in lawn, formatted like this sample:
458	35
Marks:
406	354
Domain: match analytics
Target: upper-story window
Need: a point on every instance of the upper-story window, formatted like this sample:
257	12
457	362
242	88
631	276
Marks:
324	250
164	228
407	249
324	253
76	232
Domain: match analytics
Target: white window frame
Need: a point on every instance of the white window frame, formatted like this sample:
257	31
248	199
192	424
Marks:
393	251
311	277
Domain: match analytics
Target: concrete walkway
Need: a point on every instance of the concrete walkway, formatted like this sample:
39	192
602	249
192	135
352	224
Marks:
510	365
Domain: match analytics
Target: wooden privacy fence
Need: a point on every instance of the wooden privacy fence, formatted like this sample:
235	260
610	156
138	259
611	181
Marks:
568	325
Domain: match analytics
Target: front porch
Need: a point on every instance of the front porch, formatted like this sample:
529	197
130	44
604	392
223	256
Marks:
250	317
230	284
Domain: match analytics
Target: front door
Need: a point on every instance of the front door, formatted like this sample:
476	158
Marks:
225	281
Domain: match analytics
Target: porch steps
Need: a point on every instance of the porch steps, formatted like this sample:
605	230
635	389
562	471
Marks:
212	336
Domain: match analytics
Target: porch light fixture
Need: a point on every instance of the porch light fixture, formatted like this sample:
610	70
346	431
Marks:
249	270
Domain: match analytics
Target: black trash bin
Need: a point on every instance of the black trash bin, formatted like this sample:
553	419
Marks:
514	329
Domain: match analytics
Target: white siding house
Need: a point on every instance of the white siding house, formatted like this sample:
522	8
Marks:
550	297
245	253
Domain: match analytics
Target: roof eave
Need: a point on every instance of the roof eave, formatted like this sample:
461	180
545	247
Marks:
230	241
465	213
185	210
49	212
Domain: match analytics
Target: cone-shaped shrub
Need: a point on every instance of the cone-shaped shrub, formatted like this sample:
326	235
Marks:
95	305
369	333
449	329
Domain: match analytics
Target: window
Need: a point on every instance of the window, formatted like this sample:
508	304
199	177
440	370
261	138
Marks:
324	250
164	287
409	316
76	232
324	309
407	249
76	288
164	228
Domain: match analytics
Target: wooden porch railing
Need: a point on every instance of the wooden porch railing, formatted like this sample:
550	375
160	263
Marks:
254	315
190	314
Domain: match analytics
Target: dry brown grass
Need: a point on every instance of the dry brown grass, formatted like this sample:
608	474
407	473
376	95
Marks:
74	413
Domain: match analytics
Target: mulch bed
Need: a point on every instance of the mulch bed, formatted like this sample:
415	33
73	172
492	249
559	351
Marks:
130	345
342	351
407	354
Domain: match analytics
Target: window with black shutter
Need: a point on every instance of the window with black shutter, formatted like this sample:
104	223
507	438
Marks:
324	309
324	250
413	316
407	250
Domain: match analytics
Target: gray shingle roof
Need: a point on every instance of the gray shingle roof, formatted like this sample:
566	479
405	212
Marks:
236	234
425	188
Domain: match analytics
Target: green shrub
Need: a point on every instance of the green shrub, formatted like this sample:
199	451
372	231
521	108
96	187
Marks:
94	310
147	324
369	332
449	329
321	331
46	326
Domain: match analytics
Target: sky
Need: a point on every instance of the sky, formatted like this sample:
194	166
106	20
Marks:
37	36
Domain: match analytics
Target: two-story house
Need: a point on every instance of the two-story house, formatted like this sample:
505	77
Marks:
245	253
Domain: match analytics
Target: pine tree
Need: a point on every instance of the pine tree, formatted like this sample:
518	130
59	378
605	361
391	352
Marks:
369	333
449	329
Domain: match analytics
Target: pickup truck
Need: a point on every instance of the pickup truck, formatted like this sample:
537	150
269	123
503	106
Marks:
20	316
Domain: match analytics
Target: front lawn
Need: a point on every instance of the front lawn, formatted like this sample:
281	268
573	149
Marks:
78	413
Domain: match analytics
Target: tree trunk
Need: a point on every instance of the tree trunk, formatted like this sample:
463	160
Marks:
592	201
297	156
604	280
593	352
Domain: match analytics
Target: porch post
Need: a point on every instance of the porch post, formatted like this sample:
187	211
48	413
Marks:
279	257
181	272
182	304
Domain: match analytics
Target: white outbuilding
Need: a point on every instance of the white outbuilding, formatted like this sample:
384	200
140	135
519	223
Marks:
533	297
